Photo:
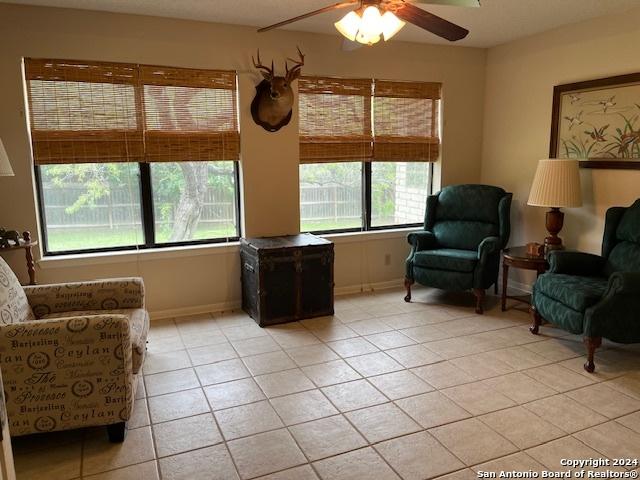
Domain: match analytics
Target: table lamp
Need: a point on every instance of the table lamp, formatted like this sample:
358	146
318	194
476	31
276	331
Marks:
5	166
556	185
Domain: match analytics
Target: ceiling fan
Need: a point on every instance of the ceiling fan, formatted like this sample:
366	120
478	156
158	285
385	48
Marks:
372	20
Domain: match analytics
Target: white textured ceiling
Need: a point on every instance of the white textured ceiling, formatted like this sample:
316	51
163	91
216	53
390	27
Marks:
496	22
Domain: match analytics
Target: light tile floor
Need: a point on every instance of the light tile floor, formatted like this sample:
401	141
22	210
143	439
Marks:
383	389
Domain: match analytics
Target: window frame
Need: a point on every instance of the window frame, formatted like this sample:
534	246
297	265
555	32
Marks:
366	205
146	215
366	165
137	76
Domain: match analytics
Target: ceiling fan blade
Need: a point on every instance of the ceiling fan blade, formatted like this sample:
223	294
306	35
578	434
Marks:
434	24
454	3
350	46
328	8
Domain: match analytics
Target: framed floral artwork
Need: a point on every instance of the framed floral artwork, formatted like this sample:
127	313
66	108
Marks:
598	122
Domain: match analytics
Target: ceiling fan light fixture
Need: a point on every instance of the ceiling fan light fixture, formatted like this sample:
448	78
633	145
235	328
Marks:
390	25
366	27
349	25
367	39
372	20
371	24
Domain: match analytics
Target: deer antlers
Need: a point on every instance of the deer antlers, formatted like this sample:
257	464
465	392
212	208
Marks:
290	75
267	72
294	73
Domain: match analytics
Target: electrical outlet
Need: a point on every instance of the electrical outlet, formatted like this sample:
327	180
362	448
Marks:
387	259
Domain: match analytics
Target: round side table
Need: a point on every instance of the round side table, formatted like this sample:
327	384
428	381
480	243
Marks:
517	257
25	244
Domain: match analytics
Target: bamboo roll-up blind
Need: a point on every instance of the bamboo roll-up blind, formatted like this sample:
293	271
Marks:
80	71
335	119
85	112
406	121
187	77
190	115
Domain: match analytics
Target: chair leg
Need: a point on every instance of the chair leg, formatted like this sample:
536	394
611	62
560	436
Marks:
537	320
479	293
117	432
591	343
407	284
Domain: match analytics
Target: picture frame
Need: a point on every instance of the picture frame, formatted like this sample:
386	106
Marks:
598	122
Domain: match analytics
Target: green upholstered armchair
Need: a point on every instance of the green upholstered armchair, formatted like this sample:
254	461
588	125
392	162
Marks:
596	296
465	228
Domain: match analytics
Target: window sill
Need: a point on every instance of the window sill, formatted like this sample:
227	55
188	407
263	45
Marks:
353	237
127	256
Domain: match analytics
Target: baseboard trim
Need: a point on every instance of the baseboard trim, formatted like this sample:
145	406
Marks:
195	310
368	287
338	291
236	304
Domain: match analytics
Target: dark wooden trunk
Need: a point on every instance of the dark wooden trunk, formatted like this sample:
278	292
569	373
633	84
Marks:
286	278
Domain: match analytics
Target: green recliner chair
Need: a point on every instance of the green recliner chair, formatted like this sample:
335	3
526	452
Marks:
596	296
465	228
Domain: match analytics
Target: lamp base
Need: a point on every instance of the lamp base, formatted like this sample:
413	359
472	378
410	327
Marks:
554	221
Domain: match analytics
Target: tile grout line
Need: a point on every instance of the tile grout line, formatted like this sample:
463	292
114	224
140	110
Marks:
371	445
217	424
556	392
343	414
153	435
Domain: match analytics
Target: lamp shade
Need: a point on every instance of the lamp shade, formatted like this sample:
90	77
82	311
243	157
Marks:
556	184
5	166
390	25
349	25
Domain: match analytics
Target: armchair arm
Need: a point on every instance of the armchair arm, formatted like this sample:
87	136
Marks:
575	263
424	240
616	315
488	246
107	294
624	283
67	372
504	215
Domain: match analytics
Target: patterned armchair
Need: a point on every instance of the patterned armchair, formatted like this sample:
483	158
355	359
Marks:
465	228
71	353
596	296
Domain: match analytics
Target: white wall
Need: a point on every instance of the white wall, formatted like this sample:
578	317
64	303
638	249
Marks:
517	121
269	160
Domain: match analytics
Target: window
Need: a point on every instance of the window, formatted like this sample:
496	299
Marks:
330	196
95	204
175	217
399	191
133	156
366	152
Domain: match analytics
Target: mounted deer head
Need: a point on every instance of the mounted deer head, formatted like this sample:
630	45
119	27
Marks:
272	105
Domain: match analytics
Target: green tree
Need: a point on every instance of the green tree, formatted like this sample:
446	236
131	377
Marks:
383	189
323	174
343	174
98	180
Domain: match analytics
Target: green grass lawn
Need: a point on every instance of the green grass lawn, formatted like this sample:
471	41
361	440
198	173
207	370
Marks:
60	240
324	225
327	225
